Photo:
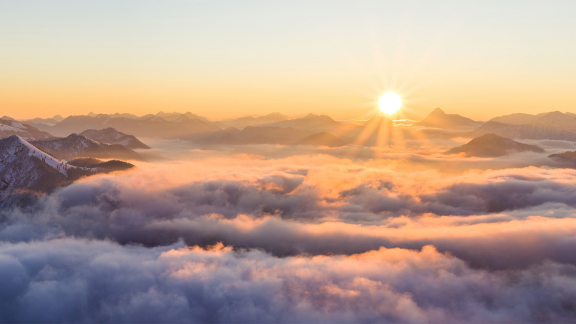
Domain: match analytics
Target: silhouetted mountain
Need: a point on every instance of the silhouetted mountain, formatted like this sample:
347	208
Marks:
75	146
150	127
111	136
26	172
439	119
323	139
10	127
491	145
253	121
101	166
566	157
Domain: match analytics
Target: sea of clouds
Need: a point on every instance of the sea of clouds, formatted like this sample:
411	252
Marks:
298	238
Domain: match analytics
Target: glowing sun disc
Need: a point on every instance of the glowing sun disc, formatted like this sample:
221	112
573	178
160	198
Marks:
390	103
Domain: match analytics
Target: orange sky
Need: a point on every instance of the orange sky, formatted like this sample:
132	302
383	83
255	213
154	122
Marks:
227	59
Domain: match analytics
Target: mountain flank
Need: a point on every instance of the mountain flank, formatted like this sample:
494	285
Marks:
111	136
492	145
75	146
439	119
26	172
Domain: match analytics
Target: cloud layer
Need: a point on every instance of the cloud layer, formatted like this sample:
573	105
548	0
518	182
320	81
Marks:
98	281
310	238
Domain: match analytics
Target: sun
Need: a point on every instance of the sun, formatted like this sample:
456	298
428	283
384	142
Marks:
390	103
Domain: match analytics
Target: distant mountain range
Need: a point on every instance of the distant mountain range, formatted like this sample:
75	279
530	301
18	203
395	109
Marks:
74	146
439	119
26	171
491	145
155	126
252	121
44	121
111	136
266	129
525	119
553	125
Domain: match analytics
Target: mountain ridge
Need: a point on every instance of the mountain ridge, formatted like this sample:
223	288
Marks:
492	145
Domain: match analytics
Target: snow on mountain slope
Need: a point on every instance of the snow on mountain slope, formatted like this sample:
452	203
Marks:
26	171
10	127
56	164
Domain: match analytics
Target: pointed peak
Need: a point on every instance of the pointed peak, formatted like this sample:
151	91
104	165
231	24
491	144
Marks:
437	111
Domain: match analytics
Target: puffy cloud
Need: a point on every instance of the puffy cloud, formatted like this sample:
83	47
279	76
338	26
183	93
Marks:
311	238
75	280
319	205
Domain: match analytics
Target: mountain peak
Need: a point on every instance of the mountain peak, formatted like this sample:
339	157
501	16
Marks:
439	119
437	111
492	145
13	139
318	117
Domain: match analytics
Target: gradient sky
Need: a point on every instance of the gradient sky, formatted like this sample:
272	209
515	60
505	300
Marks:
231	58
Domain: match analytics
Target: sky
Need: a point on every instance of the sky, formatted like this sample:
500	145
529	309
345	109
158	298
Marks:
225	59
